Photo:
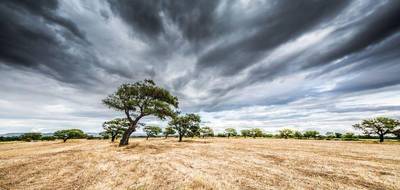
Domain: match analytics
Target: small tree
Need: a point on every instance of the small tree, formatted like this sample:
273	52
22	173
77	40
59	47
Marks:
298	135
348	136
230	132
338	135
206	132
69	134
311	134
380	126
141	99
115	127
151	131
182	124
256	132
168	131
330	135
245	133
285	133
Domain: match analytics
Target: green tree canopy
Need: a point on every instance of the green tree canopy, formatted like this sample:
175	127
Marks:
379	126
311	134
115	127
230	132
206	132
256	132
141	99
285	133
183	124
31	136
168	131
245	132
69	134
152	131
297	134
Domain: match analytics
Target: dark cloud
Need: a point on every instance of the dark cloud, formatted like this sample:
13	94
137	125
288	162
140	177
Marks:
285	21
215	55
30	39
374	28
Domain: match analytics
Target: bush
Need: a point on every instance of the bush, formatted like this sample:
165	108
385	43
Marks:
13	138
221	135
31	136
349	137
267	135
48	138
311	134
91	137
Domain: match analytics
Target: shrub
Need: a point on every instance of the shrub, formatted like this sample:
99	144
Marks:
31	136
311	134
285	133
221	135
48	138
297	135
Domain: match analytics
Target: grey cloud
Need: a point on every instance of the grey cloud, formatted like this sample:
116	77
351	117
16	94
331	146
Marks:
215	55
28	40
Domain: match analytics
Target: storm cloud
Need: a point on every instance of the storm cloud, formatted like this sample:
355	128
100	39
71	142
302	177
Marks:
319	64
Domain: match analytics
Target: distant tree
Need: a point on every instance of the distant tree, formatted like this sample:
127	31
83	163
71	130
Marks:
151	131
31	136
48	138
380	126
297	135
104	135
348	135
230	132
338	135
115	127
69	134
285	133
268	135
245	133
183	124
141	99
256	132
168	131
311	134
330	135
206	132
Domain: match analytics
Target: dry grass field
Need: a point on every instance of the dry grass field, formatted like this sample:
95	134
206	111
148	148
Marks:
200	164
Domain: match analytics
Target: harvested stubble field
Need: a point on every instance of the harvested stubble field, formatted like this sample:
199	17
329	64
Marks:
200	164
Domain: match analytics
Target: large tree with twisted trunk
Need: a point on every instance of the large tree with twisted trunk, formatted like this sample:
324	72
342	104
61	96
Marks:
139	100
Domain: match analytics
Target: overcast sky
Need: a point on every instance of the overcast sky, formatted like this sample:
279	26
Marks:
304	64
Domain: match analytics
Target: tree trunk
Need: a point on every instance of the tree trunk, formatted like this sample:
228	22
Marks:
112	138
65	139
125	137
180	138
166	136
381	139
147	138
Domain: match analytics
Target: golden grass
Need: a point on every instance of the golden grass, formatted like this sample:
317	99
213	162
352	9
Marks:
200	164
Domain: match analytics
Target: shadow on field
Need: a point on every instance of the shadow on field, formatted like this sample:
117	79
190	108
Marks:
157	146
